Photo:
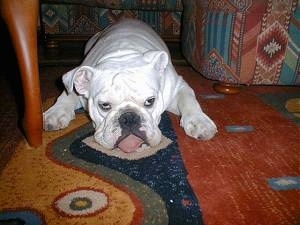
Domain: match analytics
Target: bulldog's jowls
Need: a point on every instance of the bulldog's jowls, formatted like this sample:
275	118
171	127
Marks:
126	82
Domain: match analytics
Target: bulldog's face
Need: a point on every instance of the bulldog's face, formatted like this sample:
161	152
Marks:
124	98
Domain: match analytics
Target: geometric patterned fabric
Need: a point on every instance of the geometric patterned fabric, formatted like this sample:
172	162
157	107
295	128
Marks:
245	42
84	18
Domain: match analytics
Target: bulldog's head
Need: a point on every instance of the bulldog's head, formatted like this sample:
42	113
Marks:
125	99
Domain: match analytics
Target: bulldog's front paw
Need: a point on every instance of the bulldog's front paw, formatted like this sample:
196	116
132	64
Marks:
57	117
198	126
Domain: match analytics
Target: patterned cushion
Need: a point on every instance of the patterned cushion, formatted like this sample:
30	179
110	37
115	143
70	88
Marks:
248	42
85	20
166	5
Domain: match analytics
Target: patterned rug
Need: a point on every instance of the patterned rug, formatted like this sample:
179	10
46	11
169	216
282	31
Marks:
158	180
99	188
286	103
248	174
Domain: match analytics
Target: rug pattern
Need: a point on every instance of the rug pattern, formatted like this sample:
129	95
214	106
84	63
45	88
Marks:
229	174
33	186
286	103
159	181
151	190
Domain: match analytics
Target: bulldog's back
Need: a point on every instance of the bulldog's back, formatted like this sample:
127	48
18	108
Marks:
126	36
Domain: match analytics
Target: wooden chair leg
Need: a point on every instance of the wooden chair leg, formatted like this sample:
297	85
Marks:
21	18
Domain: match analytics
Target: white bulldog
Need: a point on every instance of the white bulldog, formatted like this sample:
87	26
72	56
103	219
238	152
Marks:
126	82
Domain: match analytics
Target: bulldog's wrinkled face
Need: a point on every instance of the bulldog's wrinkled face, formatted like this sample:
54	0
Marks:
123	107
124	100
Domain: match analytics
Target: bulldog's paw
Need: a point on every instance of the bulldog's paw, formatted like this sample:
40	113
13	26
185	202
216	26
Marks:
199	126
57	117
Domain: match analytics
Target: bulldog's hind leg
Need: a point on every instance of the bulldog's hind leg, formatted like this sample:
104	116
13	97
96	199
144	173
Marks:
62	112
194	121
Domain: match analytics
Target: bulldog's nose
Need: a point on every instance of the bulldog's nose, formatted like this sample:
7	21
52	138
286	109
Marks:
129	120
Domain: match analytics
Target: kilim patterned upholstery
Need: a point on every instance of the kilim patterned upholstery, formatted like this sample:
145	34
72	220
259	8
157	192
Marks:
76	18
243	42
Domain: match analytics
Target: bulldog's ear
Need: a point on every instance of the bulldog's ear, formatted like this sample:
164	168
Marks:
158	59
79	78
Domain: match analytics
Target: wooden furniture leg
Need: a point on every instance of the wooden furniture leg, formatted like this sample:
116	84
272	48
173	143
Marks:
227	88
21	17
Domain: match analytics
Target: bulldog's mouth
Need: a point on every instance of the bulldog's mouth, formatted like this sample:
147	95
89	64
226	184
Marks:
130	143
132	138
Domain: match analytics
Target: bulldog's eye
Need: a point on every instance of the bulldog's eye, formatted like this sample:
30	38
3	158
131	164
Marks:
149	102
105	106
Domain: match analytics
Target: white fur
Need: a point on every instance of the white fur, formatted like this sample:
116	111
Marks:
124	66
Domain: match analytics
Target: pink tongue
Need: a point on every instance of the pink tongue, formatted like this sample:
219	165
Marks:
130	143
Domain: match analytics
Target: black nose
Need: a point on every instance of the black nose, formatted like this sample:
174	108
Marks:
129	120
